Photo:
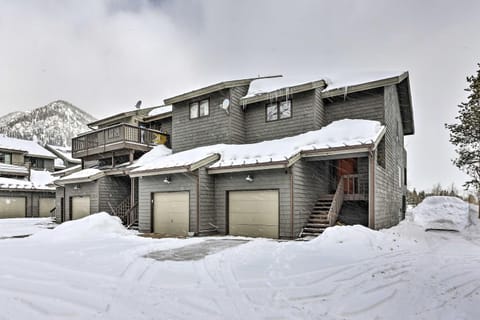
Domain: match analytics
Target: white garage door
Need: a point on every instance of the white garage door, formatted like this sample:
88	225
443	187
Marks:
12	207
80	207
253	213
170	213
45	205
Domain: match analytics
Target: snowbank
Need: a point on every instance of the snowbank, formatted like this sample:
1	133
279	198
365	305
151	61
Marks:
98	225
440	212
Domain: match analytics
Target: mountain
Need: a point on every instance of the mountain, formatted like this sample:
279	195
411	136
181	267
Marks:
56	123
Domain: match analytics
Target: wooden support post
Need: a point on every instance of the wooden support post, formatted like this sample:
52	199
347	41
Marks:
371	188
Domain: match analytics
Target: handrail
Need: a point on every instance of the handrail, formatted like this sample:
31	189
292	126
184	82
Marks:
336	205
117	133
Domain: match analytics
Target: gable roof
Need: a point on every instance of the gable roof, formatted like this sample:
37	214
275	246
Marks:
349	135
29	147
85	175
120	116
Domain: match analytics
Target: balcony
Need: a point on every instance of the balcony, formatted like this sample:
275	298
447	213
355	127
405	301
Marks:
121	139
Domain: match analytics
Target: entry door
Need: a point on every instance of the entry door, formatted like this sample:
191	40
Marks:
253	213
347	167
13	207
80	207
171	213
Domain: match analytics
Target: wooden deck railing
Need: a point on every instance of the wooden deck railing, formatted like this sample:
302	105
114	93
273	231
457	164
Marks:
336	205
116	134
355	186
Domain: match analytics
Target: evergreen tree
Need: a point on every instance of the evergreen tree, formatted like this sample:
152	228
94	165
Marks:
465	134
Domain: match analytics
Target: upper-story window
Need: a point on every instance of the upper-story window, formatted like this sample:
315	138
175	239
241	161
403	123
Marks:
199	109
37	163
279	110
6	157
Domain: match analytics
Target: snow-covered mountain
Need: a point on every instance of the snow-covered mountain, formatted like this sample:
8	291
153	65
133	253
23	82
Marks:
56	123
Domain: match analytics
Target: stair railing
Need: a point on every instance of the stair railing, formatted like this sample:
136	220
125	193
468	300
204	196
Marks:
337	203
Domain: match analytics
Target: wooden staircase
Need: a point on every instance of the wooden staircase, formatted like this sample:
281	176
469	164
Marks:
127	212
318	220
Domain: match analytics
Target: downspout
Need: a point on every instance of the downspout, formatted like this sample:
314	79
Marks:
197	191
371	189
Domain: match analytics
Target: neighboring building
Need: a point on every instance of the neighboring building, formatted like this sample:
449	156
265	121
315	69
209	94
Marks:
106	151
264	157
25	176
64	158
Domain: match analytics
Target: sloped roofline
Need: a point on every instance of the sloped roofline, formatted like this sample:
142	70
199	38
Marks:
212	88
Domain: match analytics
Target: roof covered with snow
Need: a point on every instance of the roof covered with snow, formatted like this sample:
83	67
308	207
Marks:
63	152
271	86
12	169
85	175
30	147
160	111
343	133
39	180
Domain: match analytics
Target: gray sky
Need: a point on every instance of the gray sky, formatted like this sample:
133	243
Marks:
103	56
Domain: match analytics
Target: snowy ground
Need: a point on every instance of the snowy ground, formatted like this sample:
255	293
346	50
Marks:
95	269
23	227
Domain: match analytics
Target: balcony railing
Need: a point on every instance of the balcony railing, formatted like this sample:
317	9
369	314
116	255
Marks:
355	186
121	136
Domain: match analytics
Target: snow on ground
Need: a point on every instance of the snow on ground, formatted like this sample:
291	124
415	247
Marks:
438	212
346	273
19	227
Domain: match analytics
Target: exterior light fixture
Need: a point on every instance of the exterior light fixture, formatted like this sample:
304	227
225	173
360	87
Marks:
167	180
76	187
249	178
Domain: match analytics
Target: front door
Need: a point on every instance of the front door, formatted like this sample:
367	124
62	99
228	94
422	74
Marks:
346	167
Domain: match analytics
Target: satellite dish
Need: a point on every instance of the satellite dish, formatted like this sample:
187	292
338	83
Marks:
139	103
225	104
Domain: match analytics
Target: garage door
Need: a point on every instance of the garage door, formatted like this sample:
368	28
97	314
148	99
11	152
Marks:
12	207
253	213
170	213
45	205
80	207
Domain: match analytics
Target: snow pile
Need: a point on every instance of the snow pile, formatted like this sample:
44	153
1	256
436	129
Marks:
41	179
98	225
337	134
152	156
439	212
346	80
269	85
23	226
160	110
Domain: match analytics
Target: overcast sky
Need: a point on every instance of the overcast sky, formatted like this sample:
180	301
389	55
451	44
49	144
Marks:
103	56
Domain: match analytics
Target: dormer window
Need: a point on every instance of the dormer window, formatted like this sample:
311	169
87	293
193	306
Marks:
279	110
199	109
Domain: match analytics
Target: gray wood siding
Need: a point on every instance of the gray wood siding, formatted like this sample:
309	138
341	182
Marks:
310	179
32	200
319	113
207	201
263	180
113	190
237	116
302	120
388	193
191	133
89	189
367	105
150	184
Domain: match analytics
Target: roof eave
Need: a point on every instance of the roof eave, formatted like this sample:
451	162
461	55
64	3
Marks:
91	178
365	86
283	92
212	88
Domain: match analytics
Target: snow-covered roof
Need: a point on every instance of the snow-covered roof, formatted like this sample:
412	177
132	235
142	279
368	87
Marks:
39	180
67	171
160	110
341	80
12	169
342	133
85	175
59	164
30	147
63	152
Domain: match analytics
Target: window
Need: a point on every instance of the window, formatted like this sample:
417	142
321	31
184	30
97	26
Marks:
37	163
199	109
6	157
279	110
381	153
